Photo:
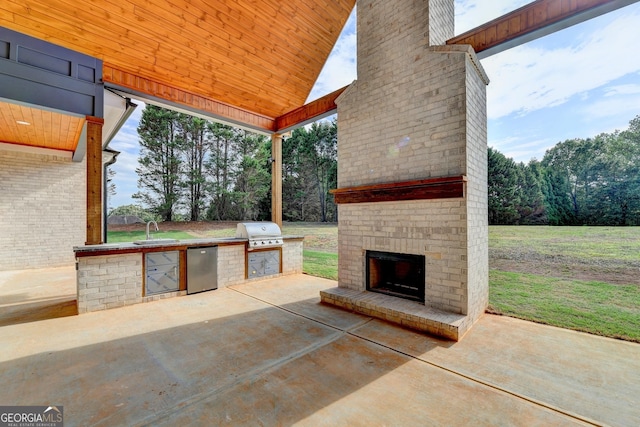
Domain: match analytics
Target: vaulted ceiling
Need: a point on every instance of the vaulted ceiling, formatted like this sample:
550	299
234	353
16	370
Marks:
259	56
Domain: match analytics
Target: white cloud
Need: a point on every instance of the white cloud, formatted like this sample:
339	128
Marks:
340	68
522	149
624	107
628	89
527	78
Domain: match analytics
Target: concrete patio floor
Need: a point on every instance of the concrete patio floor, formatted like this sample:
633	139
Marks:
268	353
37	294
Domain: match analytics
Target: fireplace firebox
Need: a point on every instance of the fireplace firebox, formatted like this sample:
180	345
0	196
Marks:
399	275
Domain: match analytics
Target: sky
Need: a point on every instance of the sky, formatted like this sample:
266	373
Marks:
576	83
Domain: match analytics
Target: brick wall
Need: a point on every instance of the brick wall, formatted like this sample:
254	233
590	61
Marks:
231	265
109	281
393	34
292	256
42	210
477	203
405	128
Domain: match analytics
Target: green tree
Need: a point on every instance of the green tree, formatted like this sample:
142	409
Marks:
310	158
573	161
503	181
159	170
219	167
252	177
299	201
321	154
600	176
134	210
616	187
556	190
196	147
531	209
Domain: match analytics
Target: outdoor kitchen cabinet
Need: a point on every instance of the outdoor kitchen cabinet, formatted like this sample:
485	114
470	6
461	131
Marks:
113	275
263	263
162	272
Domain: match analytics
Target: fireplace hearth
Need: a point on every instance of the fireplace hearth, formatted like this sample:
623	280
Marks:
398	275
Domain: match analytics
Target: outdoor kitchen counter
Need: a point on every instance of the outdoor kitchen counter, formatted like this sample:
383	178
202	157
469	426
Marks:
130	247
113	274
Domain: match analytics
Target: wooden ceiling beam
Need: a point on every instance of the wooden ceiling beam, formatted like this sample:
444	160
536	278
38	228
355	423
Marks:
137	85
310	112
532	21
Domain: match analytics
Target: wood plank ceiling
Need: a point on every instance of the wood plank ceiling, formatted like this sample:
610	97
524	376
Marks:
36	127
259	58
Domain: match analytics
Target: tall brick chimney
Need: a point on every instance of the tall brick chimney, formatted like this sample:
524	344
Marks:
412	167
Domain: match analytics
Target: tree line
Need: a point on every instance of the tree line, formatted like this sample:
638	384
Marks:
193	169
593	181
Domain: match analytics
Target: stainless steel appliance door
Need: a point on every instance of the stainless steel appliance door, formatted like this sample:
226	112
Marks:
202	269
161	272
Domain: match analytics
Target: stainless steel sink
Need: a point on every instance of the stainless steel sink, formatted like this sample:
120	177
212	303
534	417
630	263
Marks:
154	241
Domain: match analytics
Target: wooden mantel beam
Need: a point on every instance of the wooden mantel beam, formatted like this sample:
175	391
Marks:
532	21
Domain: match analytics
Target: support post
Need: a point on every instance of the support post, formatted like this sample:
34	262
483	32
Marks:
276	179
94	180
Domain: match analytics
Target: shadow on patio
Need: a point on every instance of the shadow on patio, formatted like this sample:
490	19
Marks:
268	353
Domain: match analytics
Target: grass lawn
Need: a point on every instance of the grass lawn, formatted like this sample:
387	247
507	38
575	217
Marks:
617	244
321	264
130	236
595	307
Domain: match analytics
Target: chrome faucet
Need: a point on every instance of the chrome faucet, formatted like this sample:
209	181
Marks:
149	223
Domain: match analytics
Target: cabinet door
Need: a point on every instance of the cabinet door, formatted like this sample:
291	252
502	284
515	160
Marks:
272	263
255	264
162	272
263	263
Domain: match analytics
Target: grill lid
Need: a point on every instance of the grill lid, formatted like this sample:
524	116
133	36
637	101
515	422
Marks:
260	234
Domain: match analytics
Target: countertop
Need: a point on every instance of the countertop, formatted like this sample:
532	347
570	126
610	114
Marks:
130	247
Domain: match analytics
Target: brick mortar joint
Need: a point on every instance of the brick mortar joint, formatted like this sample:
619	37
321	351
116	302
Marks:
467	49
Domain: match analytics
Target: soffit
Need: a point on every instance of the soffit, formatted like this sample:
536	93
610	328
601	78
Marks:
35	127
262	56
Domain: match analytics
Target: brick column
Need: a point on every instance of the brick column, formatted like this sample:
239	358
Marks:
417	112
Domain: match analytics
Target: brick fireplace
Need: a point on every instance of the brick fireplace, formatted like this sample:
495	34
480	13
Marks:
412	159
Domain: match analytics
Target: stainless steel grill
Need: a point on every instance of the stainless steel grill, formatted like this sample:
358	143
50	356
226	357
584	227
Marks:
260	234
